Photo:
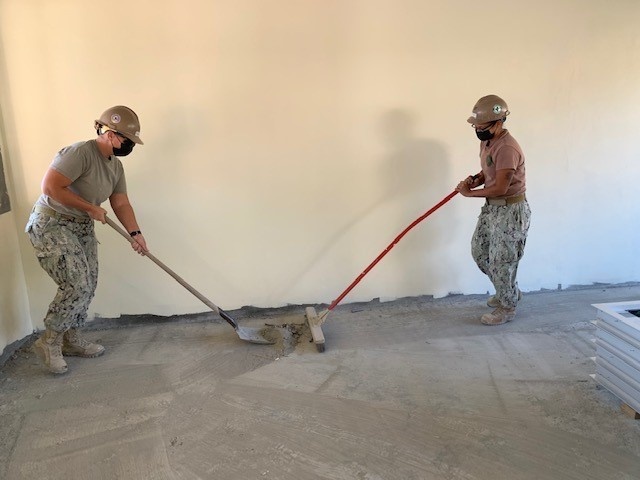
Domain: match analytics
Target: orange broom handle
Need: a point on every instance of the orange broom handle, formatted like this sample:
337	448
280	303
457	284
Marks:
391	245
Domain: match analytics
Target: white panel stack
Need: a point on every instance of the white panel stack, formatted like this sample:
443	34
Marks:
618	350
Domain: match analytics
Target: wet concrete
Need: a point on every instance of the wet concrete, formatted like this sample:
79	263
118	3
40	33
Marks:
411	389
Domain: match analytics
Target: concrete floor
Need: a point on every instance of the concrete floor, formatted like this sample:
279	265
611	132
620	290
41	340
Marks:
412	389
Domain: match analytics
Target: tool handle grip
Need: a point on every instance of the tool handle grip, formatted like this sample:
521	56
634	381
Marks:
177	277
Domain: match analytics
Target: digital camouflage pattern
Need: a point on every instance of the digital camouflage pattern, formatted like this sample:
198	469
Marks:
498	245
68	251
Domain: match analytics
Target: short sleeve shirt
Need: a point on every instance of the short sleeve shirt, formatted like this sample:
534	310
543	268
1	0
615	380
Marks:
503	153
93	177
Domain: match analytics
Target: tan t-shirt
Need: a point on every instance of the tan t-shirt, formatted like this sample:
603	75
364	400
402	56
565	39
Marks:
503	153
93	177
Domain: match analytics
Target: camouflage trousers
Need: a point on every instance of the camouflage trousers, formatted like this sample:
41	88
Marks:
68	251
498	245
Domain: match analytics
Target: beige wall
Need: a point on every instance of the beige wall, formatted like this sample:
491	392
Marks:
15	320
289	141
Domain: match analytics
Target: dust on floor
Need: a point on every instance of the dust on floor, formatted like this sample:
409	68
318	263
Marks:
411	389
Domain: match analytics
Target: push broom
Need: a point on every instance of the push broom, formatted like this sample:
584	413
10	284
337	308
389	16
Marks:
316	320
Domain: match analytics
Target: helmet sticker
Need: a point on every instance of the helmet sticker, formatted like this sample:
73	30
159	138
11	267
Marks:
497	109
115	118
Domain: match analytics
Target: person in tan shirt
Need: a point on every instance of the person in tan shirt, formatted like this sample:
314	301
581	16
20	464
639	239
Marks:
501	232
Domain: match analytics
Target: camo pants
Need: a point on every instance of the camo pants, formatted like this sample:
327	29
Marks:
498	245
67	251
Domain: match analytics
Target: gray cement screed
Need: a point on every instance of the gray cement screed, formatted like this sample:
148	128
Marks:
411	389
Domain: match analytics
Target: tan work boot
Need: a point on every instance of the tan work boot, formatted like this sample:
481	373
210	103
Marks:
493	301
75	345
48	347
499	316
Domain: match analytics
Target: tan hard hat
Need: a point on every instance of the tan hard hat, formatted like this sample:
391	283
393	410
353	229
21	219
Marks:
489	109
122	120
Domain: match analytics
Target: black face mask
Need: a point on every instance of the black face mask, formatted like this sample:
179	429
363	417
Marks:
484	134
125	148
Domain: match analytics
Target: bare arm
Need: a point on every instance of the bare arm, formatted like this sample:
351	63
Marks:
55	185
124	211
503	180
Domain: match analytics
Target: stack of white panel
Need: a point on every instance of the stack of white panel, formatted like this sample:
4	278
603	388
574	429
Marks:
618	350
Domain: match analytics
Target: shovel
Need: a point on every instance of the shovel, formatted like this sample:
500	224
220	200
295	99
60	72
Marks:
253	335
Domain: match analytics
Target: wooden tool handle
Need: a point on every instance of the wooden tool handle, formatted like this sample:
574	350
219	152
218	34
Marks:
177	277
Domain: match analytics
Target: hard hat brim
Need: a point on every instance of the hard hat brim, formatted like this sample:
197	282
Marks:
133	138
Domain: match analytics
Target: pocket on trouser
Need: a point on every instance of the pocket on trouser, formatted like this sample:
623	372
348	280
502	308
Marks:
50	238
37	223
506	251
75	290
71	273
481	239
510	235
